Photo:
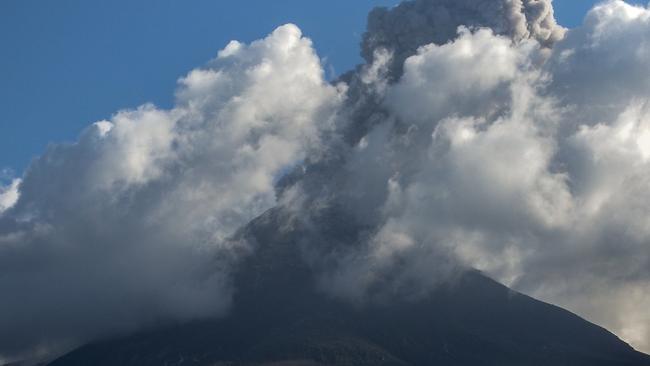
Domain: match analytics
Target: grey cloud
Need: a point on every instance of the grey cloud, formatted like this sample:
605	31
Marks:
416	23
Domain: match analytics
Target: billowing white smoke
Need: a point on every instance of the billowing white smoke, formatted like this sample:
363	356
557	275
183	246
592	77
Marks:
531	165
130	225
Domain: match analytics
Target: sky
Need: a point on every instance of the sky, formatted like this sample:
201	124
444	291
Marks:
69	63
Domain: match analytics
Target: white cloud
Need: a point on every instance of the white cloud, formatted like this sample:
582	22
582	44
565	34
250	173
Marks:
456	77
9	195
130	225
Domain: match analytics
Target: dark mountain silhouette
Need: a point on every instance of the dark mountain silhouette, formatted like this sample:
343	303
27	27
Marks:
279	317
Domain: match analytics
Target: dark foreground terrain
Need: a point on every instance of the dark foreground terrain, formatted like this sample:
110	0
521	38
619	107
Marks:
280	318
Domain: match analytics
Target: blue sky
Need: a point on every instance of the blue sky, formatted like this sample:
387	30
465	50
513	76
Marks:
68	63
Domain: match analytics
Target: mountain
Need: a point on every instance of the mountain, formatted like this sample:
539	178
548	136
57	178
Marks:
280	318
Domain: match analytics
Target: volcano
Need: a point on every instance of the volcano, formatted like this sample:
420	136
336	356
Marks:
280	318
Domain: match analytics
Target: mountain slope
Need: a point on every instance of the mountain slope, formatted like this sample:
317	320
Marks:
280	318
